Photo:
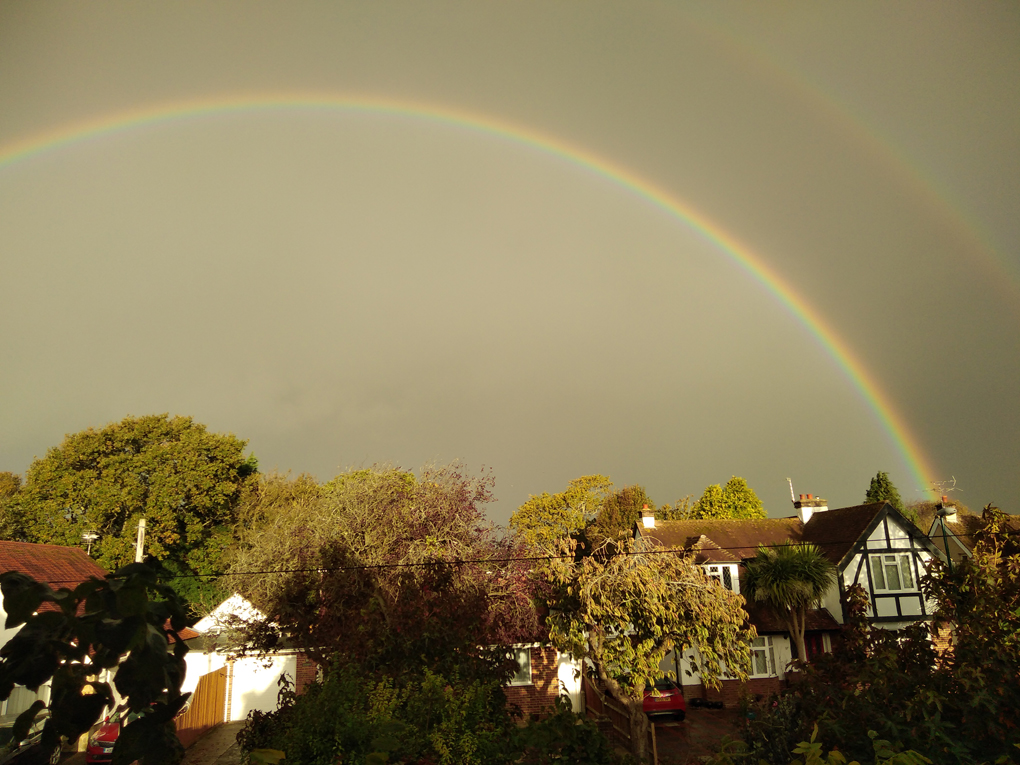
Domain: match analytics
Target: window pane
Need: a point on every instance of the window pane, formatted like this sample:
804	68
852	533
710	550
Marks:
759	642
876	572
772	661
760	666
523	675
727	578
892	573
908	580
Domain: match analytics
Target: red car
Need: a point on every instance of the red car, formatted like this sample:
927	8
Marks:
100	749
665	698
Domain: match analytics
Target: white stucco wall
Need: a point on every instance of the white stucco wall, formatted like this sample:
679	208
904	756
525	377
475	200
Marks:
254	683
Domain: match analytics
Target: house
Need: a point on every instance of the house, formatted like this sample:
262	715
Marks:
251	682
543	675
871	545
58	567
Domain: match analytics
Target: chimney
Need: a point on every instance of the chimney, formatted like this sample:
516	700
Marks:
808	506
647	518
950	511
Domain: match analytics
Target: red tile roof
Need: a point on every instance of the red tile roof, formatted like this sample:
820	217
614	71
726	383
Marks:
818	620
56	565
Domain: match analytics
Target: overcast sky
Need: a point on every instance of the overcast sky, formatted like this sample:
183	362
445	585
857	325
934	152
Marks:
343	287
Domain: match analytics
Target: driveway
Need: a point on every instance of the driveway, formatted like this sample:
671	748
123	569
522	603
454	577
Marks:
696	737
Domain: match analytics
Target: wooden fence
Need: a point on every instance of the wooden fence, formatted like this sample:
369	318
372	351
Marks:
206	707
599	705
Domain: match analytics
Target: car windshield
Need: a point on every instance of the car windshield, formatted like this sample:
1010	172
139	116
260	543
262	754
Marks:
664	684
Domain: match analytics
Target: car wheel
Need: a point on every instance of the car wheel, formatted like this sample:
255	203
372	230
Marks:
679	716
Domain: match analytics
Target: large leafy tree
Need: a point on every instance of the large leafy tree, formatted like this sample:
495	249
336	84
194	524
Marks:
385	568
11	526
734	500
546	519
789	579
625	609
184	480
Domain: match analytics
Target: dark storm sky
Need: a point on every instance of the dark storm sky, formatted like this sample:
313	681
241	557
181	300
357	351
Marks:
343	288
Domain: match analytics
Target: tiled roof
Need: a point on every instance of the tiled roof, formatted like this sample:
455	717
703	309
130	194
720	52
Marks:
836	531
818	620
738	539
56	565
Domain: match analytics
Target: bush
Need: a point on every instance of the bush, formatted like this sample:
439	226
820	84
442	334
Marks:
426	720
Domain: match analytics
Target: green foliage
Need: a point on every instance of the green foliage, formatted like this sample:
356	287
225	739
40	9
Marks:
544	520
11	523
355	717
810	753
735	500
882	489
621	510
625	611
956	706
788	579
122	625
182	479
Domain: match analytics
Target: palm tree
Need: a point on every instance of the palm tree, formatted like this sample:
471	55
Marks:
788	580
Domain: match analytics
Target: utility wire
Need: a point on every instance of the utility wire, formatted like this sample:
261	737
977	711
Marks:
463	561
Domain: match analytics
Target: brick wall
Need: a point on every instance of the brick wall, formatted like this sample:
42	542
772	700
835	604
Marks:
307	671
545	685
730	691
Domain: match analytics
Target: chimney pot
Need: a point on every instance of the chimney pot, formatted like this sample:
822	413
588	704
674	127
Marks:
945	499
801	497
809	496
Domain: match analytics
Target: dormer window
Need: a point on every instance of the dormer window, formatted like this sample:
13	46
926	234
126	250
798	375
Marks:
725	574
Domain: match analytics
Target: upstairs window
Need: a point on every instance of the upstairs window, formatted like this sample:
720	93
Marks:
892	573
722	573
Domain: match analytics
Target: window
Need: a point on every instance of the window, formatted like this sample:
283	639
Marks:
722	574
891	573
763	658
523	658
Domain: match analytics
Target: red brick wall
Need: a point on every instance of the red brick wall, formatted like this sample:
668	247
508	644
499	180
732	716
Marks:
545	685
307	671
730	690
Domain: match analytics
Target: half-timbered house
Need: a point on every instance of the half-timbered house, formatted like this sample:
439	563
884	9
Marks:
871	545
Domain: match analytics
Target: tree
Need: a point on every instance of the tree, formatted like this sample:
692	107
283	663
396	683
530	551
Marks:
882	489
622	509
626	611
544	520
125	625
11	525
384	568
182	479
789	579
735	500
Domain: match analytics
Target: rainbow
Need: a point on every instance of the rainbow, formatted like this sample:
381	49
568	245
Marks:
749	261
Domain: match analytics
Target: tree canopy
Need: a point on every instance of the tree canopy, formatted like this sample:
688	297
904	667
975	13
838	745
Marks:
734	500
384	566
625	611
184	480
547	518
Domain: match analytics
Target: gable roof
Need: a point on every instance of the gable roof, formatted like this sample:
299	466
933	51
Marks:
56	565
835	532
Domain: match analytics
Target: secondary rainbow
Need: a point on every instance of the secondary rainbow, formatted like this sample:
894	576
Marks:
752	263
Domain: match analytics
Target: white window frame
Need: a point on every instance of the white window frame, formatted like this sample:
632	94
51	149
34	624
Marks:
764	647
900	563
522	654
716	571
